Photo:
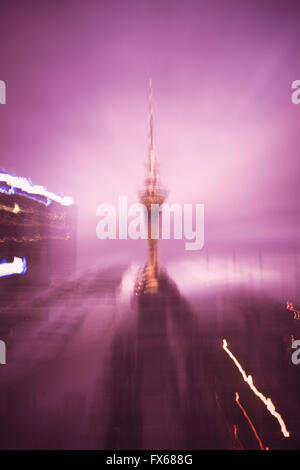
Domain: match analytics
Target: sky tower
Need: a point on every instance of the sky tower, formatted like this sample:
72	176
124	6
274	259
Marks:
153	193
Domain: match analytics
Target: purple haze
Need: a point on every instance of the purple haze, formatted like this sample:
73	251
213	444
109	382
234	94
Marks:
227	134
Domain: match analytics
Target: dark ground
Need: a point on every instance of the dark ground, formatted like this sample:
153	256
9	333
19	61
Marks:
88	367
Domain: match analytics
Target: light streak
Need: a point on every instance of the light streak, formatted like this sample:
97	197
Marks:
18	266
14	210
35	238
249	421
31	190
235	431
267	401
17	209
236	438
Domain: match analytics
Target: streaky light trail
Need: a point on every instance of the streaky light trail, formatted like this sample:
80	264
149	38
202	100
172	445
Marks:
249	421
24	184
18	266
238	442
267	401
14	210
35	238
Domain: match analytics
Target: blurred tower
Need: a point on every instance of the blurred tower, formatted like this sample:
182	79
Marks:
152	194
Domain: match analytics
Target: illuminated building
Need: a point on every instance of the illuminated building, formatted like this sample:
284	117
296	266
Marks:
37	227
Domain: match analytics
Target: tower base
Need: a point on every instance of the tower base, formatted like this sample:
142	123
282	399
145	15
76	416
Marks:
147	281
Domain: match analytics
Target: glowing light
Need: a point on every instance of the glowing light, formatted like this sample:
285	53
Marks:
29	210
31	190
267	401
290	306
14	210
18	266
235	431
236	438
249	421
35	238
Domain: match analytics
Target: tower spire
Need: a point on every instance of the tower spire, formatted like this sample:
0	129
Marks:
152	195
151	134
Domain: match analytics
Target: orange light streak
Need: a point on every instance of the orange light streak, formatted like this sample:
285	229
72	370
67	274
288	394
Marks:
238	442
267	401
249	421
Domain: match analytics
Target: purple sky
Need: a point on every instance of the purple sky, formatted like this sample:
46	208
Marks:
227	134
